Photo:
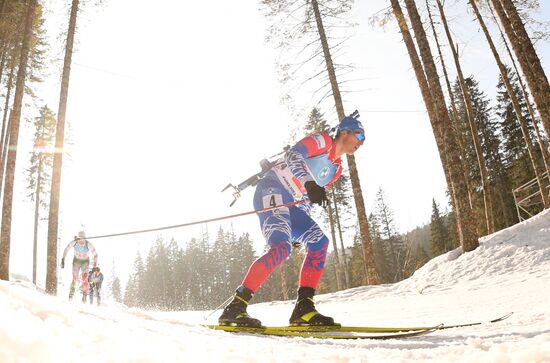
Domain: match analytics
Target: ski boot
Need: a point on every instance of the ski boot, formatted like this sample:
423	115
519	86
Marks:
305	314
235	313
71	292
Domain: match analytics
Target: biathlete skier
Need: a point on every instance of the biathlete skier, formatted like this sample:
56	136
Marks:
81	261
310	166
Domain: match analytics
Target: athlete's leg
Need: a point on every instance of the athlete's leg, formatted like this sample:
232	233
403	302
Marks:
98	294
306	231
91	288
275	226
76	269
84	268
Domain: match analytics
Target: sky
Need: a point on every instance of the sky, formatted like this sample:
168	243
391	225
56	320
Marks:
508	273
170	103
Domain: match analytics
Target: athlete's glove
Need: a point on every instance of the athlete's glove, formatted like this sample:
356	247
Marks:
63	263
316	193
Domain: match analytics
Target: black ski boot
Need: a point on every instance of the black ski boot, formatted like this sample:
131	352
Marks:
305	313
235	313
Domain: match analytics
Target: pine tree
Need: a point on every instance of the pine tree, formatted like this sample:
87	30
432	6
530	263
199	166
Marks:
439	235
527	57
174	255
219	261
199	270
116	291
487	205
381	257
316	122
515	157
157	281
241	256
112	286
15	119
488	128
134	292
419	257
432	94
357	270
392	244
39	172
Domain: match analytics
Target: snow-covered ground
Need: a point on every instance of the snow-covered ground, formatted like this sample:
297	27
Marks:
510	271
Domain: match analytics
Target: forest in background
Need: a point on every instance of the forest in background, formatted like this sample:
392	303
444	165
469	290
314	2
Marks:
488	148
206	271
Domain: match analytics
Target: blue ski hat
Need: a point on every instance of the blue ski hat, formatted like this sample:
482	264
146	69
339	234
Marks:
350	123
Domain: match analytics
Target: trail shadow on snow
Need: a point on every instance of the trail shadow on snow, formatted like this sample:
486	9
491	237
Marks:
408	343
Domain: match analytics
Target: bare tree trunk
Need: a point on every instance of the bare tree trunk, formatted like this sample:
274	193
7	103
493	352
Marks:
454	112
335	248
53	221
517	108
346	268
36	219
465	222
487	198
368	253
5	239
2	61
544	151
426	94
4	138
527	57
3	40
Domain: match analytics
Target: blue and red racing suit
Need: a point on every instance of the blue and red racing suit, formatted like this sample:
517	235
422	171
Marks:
81	261
312	158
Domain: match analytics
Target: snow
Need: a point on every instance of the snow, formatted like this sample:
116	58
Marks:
509	272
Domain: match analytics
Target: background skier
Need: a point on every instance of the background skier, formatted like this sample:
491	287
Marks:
96	280
81	261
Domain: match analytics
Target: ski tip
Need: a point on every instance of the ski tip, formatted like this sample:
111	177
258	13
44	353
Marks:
505	316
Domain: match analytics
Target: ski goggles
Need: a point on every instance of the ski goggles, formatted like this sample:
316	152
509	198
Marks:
359	135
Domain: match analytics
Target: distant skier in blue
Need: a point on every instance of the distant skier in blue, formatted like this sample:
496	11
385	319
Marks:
95	281
310	166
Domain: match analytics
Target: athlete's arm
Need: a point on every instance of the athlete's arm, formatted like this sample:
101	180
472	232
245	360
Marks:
309	146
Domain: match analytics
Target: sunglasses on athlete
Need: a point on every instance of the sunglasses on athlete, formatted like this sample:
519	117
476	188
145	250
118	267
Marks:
359	135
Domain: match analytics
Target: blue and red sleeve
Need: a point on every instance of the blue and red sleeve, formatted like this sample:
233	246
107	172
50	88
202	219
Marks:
309	146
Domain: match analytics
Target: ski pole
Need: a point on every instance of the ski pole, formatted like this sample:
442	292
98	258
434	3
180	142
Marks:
256	211
222	306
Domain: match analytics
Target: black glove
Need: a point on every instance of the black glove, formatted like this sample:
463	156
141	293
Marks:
63	263
316	193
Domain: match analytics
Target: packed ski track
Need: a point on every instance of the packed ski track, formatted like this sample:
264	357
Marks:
509	272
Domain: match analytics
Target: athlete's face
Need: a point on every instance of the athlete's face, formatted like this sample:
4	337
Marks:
352	140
